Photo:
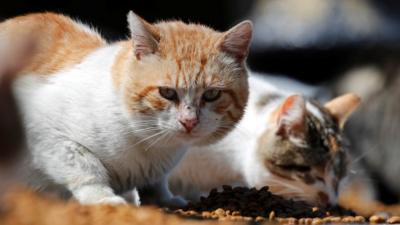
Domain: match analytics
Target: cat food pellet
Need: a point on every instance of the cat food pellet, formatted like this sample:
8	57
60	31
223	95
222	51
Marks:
271	215
348	219
281	220
335	219
301	221
235	213
317	221
237	218
206	214
247	218
259	219
291	220
377	219
393	219
327	219
359	219
383	214
220	212
192	213
214	217
308	221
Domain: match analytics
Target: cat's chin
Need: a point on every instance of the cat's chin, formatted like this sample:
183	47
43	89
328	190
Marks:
195	139
192	135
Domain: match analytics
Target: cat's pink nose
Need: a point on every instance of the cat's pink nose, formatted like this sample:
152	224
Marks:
189	124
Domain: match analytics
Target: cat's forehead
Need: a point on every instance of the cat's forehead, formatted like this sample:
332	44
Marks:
181	41
193	59
324	135
320	118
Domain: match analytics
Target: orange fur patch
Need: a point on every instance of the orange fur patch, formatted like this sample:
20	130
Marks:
234	98
59	41
146	101
118	69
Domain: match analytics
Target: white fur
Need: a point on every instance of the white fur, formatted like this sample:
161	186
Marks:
315	111
234	160
78	134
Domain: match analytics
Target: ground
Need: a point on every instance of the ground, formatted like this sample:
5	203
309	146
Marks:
24	207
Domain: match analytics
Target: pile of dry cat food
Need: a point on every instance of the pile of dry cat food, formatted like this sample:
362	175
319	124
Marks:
250	204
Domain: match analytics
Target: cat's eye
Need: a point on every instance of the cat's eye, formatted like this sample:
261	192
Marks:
298	168
168	93
211	95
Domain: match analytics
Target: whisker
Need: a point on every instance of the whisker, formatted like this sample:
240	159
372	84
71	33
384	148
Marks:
287	185
364	154
149	137
161	136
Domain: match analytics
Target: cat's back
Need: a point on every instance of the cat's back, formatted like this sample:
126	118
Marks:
57	41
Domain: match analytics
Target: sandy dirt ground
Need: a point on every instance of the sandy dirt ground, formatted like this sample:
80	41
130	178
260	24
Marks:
24	207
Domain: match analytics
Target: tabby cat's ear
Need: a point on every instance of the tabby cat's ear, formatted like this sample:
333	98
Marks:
291	117
236	41
144	35
341	107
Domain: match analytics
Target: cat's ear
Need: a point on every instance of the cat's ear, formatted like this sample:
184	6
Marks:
236	41
291	116
341	107
144	35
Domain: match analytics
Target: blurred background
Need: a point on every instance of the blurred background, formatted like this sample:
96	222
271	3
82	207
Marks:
312	40
340	45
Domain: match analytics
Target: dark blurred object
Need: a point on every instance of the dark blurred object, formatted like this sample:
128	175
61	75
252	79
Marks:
316	41
110	15
311	40
11	132
13	56
324	24
374	129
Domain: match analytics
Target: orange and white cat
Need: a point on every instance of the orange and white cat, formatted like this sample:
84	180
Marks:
104	118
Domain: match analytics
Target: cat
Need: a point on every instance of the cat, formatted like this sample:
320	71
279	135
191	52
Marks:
285	141
103	119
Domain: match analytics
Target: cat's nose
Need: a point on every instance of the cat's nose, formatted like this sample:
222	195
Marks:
189	124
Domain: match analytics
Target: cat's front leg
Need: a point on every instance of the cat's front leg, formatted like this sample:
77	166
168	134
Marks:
80	171
132	196
97	194
159	193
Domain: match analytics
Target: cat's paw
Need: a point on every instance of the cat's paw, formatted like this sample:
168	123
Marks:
114	200
175	202
132	197
135	197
